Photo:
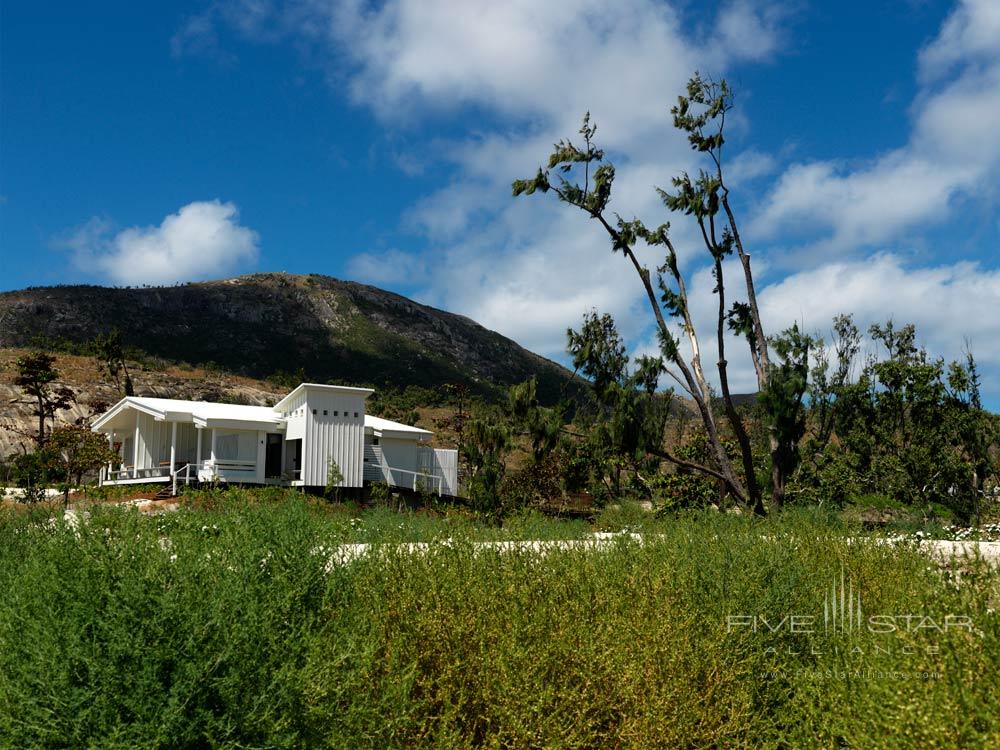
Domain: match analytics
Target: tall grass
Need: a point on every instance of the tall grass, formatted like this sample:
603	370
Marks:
228	628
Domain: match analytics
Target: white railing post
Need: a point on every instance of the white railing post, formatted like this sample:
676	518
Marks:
135	448
173	446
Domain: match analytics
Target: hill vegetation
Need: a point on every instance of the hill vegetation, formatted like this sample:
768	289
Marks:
281	327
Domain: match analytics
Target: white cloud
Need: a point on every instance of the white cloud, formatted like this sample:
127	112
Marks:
202	240
388	267
971	32
528	70
530	268
748	166
952	152
950	304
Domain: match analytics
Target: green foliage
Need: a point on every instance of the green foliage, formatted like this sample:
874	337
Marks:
598	351
907	427
288	380
32	473
624	425
488	440
37	377
781	403
233	628
540	425
379	494
683	488
72	451
109	350
538	484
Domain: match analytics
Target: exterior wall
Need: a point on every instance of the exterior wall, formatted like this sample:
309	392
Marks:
148	442
154	442
332	430
409	455
446	466
295	413
401	454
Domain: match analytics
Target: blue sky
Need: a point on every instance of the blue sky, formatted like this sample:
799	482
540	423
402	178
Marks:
162	142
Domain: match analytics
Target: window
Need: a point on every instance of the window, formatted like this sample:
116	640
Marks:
336	414
227	447
314	412
325	414
355	415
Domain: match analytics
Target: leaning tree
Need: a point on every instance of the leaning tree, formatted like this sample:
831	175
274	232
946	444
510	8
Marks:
581	177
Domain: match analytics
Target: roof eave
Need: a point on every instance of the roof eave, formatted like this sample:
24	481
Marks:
363	392
118	408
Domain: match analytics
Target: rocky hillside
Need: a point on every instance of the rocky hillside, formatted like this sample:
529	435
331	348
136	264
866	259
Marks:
266	324
94	392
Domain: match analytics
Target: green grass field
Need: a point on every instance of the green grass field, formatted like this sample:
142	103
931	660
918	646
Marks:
225	625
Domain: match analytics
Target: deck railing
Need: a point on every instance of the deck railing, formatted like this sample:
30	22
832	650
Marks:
226	469
130	472
376	469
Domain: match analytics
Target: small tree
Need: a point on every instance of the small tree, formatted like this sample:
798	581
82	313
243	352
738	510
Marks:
73	450
37	376
30	473
907	427
334	479
488	440
110	356
627	435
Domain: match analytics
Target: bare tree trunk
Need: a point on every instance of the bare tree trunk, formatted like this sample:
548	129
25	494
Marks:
746	450
759	352
697	386
41	422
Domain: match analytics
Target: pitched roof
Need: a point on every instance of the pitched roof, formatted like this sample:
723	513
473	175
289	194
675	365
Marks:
382	426
207	412
198	411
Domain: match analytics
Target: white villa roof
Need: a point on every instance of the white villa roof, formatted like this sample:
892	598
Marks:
212	414
382	426
201	412
363	392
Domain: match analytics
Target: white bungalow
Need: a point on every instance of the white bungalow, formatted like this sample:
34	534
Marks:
292	443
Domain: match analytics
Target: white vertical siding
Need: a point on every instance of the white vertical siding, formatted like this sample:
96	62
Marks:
446	467
336	434
149	440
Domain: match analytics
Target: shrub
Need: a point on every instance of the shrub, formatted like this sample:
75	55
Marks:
240	627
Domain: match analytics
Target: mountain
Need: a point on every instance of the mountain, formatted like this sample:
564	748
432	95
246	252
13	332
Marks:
276	324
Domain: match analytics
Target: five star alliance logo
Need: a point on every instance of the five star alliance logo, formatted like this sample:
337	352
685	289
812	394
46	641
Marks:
843	614
842	607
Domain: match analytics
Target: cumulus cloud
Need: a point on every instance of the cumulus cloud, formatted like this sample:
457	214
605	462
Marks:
951	304
530	268
952	152
202	240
